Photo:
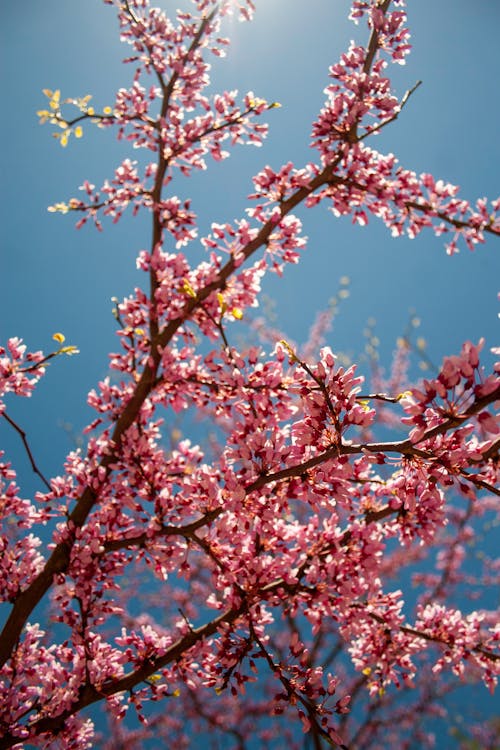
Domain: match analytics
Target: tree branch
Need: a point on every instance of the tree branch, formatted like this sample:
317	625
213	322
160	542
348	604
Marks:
24	438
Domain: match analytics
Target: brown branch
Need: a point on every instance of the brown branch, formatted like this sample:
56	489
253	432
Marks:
383	123
415	205
404	447
156	193
431	638
312	709
24	438
371	51
379	397
457	223
373	41
86	116
480	483
187	531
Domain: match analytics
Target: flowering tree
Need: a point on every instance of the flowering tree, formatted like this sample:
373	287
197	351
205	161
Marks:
253	585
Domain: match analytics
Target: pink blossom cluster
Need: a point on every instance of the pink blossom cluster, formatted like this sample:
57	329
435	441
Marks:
460	384
363	180
466	642
20	558
20	369
356	95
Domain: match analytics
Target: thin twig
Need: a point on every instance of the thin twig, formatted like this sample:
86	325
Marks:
395	116
23	437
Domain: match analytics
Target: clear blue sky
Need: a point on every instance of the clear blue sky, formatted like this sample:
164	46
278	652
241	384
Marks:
53	278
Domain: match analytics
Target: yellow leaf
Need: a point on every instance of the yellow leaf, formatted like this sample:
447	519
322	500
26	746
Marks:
78	131
237	313
405	394
69	350
222	304
61	207
59	337
54	101
154	678
254	103
188	289
289	349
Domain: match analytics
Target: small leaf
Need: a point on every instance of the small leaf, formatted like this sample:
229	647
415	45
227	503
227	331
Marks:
289	349
188	289
62	208
54	101
69	350
222	303
405	394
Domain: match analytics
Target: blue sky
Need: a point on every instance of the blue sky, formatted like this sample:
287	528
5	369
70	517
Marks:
53	278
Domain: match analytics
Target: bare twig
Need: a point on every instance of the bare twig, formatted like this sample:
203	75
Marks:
394	117
23	437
